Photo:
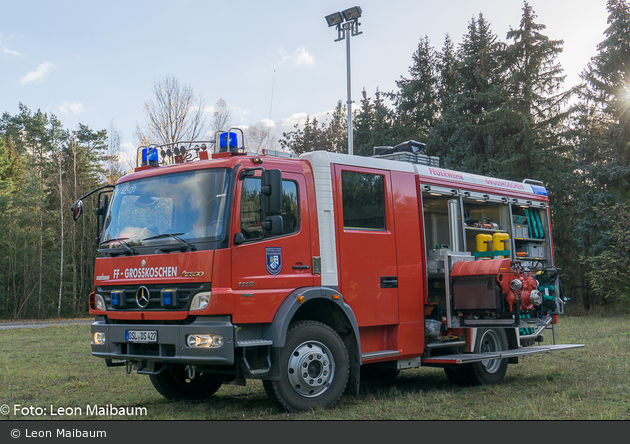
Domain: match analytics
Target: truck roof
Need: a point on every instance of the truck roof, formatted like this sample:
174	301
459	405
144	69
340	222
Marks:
435	175
427	174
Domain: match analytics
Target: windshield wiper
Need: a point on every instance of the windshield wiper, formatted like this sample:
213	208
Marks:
174	236
121	241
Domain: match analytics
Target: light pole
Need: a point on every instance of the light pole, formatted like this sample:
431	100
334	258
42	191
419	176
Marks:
347	23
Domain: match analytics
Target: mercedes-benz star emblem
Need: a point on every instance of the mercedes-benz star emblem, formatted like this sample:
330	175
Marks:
142	297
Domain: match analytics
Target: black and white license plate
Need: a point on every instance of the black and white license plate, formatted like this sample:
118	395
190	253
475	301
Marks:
141	336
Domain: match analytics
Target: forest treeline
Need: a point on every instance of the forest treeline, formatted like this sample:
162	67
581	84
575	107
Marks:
486	105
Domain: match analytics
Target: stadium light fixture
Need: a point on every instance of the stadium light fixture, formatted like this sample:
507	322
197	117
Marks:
347	23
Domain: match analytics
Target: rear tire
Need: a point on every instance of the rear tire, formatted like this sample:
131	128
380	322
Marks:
314	369
174	383
490	371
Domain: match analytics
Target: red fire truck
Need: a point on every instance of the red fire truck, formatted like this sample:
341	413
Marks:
215	266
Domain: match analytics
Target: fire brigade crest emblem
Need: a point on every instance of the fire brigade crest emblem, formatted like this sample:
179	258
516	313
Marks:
274	260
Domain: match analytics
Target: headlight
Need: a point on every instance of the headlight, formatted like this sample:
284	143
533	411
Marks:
205	341
200	301
99	302
99	338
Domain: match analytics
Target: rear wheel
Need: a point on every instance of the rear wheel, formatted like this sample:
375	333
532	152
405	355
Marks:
314	368
174	383
489	371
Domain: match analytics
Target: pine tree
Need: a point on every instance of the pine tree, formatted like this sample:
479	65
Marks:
602	156
535	105
416	102
372	125
466	135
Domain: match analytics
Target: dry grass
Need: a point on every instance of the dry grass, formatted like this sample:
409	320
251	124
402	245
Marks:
51	367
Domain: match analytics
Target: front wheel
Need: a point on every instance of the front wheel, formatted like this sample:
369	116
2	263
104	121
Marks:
314	368
173	383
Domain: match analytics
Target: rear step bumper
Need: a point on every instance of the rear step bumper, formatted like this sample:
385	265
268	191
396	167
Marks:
466	358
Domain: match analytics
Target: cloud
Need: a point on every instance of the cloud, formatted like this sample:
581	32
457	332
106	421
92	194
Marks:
303	57
4	50
72	108
9	51
300	56
267	123
298	118
38	74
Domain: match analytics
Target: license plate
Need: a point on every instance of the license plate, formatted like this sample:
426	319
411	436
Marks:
140	336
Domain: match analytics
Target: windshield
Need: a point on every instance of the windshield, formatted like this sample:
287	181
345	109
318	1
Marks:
172	209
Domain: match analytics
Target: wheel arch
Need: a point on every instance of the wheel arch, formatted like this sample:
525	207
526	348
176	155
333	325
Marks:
325	305
320	304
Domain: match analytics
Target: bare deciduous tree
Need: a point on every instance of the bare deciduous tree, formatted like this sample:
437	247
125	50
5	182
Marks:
175	114
222	118
112	162
259	138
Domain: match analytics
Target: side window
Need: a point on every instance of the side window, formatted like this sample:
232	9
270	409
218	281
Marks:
363	199
251	211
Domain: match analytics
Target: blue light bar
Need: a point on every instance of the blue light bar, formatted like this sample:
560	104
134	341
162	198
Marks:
152	157
169	297
118	298
223	141
537	189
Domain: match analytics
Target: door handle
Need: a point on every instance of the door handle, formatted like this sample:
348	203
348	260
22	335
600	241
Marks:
301	267
389	281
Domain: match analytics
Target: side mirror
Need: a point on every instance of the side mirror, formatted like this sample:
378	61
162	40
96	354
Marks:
274	225
77	209
271	189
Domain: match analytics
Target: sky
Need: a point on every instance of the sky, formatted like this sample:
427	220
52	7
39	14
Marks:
274	62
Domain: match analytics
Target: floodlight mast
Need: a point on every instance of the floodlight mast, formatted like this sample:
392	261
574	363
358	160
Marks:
347	23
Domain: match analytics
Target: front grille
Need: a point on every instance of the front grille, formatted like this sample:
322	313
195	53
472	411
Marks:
156	350
185	293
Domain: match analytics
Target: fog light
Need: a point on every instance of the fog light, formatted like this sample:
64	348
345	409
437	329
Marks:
99	338
204	341
99	302
200	301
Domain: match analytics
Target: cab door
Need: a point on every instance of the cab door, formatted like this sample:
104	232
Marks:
368	271
266	268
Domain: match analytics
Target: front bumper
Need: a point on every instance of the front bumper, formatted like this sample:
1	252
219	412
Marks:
171	342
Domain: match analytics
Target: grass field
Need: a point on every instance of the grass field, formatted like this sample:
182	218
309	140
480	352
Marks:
48	371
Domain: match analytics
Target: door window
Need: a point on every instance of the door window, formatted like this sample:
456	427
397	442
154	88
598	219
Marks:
251	209
363	197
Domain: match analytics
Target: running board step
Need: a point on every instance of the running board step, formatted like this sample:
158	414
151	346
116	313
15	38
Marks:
466	358
380	354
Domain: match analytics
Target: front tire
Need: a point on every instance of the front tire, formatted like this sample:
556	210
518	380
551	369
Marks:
314	369
174	383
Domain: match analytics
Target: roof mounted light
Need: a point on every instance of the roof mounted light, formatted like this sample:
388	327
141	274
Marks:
228	140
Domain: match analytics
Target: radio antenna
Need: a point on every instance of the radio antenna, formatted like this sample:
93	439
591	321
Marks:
273	83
